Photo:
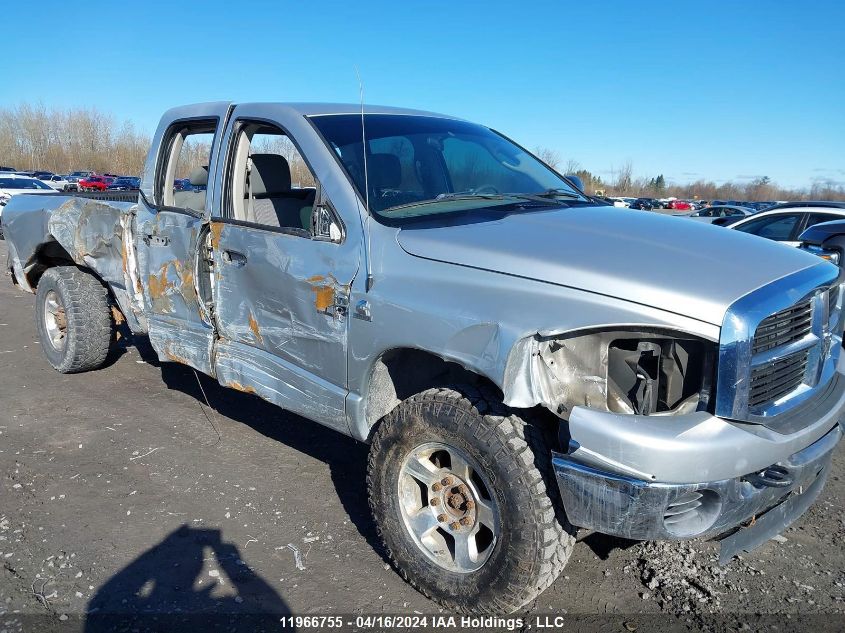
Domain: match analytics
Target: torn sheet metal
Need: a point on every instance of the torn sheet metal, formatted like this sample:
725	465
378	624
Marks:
168	244
98	235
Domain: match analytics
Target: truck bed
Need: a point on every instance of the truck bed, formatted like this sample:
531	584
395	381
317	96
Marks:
93	230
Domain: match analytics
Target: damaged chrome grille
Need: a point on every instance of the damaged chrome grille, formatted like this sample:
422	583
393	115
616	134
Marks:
783	327
779	346
775	380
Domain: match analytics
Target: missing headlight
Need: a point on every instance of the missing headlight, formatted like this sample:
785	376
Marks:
643	373
655	375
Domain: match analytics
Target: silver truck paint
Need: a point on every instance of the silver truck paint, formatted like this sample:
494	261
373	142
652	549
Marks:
300	328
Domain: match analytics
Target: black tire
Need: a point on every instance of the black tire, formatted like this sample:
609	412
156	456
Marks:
535	539
89	327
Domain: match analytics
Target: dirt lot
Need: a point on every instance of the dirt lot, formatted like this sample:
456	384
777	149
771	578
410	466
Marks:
121	491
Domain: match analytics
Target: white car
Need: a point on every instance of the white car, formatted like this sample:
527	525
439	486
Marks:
14	184
786	223
624	203
59	183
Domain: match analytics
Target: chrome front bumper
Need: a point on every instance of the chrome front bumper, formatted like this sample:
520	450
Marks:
695	475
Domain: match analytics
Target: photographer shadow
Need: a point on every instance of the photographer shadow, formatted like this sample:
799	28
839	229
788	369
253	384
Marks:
192	579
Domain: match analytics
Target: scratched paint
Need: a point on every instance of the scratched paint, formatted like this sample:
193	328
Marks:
255	329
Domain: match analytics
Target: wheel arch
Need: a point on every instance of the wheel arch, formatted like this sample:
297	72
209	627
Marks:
48	254
399	373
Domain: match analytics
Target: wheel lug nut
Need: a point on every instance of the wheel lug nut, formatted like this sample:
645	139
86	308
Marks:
470	504
436	487
434	501
441	518
465	521
463	489
446	481
455	525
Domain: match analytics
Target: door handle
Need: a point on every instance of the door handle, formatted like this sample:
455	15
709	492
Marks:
234	257
156	240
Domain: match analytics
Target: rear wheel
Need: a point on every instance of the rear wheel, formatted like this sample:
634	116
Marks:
74	320
463	497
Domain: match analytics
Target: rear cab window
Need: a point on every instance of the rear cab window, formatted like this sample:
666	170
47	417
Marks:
182	177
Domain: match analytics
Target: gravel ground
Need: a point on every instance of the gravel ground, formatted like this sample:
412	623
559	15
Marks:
121	491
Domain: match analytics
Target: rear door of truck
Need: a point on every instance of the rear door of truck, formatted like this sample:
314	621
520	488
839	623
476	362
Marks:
171	230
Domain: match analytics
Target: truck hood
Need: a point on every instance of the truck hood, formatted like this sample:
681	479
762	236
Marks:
689	268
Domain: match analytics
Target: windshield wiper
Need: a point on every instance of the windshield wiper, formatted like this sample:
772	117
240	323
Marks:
554	193
469	195
445	197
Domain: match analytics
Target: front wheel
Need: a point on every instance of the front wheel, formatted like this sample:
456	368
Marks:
462	494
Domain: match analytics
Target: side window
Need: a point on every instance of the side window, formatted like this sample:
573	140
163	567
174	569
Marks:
817	218
183	178
270	184
776	227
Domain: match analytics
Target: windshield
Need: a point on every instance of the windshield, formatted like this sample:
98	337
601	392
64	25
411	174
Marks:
423	165
22	183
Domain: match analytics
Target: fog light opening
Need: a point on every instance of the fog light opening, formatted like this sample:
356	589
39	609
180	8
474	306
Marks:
692	513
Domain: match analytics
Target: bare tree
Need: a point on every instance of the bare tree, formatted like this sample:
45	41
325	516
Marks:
549	156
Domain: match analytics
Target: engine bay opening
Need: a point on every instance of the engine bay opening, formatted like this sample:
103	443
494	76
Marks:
633	372
653	376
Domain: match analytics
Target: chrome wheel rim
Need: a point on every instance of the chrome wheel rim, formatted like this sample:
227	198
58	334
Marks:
448	507
55	321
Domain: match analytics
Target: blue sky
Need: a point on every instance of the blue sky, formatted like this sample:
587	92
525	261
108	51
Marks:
720	90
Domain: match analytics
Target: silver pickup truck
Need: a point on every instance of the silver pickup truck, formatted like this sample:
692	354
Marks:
521	361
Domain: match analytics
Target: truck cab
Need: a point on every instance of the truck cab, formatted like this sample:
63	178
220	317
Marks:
521	360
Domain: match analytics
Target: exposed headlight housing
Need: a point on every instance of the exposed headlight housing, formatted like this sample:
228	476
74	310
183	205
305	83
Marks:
633	372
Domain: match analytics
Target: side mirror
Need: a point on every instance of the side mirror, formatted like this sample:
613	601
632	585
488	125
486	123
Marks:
575	180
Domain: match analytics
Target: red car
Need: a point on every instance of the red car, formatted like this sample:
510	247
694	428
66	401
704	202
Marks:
95	183
680	205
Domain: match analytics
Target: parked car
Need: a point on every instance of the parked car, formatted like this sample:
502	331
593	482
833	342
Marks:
826	204
520	363
12	185
80	174
644	204
95	183
711	214
826	240
786	223
679	205
125	183
59	183
74	181
3	168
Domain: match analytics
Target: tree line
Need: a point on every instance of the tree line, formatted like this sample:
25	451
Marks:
622	182
63	140
33	136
